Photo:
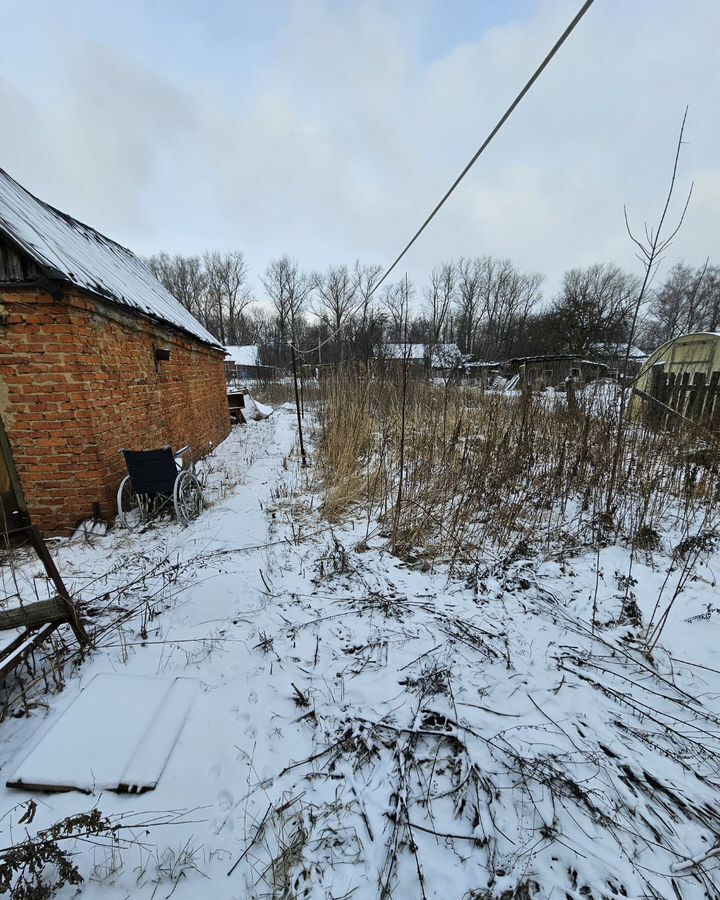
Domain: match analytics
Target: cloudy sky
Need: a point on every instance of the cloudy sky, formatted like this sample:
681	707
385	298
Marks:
327	129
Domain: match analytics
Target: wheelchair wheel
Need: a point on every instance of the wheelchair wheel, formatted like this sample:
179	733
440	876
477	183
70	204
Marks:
132	509
187	497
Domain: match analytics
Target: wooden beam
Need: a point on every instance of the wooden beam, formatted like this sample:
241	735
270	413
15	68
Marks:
6	455
62	592
30	615
21	648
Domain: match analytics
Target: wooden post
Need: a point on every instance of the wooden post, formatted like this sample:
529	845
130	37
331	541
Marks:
11	492
297	405
683	395
573	408
302	393
36	539
712	407
698	395
524	383
657	383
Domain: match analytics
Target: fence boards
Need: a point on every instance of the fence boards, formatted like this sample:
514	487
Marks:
689	397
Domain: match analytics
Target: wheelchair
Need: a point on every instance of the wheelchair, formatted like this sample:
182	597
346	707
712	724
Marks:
158	482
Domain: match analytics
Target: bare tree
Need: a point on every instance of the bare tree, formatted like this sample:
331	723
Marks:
287	288
368	324
508	299
366	277
335	293
594	306
227	291
687	301
395	301
468	303
649	251
185	278
439	299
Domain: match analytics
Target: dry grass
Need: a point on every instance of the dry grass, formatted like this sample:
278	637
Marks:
282	390
497	473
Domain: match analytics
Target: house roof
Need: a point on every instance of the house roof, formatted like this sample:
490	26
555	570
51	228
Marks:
446	356
68	251
619	350
247	355
556	357
443	355
401	351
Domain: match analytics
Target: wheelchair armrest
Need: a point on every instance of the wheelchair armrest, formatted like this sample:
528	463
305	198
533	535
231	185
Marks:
182	450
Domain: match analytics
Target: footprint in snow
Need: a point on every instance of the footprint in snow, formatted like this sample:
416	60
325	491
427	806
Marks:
252	697
238	713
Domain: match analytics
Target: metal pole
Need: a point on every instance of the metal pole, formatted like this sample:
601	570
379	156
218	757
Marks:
297	405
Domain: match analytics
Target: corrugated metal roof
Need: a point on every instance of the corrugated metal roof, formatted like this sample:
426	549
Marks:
72	252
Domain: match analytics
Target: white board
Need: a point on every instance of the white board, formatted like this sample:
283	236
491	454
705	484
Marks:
117	735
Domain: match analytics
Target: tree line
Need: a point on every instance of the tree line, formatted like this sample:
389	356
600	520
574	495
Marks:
487	306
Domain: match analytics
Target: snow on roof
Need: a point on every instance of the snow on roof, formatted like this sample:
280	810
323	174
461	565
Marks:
71	252
402	351
446	356
443	355
247	355
619	350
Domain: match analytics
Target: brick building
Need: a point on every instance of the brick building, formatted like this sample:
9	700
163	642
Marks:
95	356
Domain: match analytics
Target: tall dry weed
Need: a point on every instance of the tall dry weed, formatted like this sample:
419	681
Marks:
488	471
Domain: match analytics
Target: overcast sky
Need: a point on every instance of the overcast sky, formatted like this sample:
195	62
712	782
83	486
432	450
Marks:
327	129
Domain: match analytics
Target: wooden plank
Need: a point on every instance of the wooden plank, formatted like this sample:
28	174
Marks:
672	413
658	390
679	401
14	487
62	593
712	403
33	614
697	396
23	647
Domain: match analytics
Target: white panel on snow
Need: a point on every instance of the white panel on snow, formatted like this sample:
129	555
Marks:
117	735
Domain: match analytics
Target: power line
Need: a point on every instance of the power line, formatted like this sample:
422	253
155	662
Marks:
506	115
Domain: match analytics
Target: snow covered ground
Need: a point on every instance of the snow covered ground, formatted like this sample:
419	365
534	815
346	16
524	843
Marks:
365	729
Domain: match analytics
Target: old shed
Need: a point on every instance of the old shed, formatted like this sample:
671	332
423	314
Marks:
552	370
95	355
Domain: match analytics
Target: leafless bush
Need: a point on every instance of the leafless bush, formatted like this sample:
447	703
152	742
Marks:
38	867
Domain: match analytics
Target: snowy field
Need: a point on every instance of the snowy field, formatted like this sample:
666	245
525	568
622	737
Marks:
364	729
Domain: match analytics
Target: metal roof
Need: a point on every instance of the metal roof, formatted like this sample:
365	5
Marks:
71	252
245	355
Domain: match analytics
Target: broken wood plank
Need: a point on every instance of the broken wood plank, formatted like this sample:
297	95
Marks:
22	647
63	597
31	615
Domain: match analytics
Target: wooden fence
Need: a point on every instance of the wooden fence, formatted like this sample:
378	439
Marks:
672	396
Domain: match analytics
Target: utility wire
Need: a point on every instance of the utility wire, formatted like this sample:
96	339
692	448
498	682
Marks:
506	115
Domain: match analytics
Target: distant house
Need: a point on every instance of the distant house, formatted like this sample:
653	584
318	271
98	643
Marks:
242	363
438	358
395	355
446	358
613	355
551	370
485	372
95	356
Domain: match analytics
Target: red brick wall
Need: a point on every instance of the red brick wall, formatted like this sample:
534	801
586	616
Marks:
78	382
